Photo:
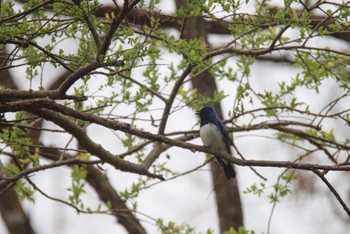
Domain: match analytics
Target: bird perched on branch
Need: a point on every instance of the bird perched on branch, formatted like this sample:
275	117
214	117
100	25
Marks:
213	133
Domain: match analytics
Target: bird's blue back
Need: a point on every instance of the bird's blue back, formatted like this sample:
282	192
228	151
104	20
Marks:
208	115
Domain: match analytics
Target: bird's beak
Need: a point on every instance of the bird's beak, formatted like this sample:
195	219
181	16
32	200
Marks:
197	112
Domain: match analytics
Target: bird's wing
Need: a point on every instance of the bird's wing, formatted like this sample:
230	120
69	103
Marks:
224	133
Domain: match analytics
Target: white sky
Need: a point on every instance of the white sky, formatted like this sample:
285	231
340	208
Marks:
190	199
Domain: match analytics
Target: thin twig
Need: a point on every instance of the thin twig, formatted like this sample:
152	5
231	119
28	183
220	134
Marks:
332	189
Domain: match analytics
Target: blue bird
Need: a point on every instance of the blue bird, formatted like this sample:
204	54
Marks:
213	133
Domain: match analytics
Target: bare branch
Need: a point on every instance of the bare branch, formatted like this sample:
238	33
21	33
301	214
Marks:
81	72
332	189
171	98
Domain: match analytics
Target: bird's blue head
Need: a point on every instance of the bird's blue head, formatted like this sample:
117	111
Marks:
207	114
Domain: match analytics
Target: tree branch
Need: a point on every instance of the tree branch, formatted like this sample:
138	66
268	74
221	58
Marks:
142	17
113	27
11	94
6	182
332	189
81	72
105	191
90	25
120	164
93	148
171	99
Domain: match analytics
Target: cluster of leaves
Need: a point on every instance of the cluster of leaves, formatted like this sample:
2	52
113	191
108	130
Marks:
279	190
171	227
17	140
78	175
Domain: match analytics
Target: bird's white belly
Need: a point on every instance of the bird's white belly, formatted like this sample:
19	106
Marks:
211	136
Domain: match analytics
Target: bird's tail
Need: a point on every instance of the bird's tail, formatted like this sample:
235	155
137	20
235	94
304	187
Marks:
228	168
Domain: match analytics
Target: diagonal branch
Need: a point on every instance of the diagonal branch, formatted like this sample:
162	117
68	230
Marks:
171	99
113	27
81	72
23	14
93	148
90	25
332	189
105	191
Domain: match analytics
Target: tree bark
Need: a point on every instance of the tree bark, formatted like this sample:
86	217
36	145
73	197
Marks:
16	220
105	191
226	191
